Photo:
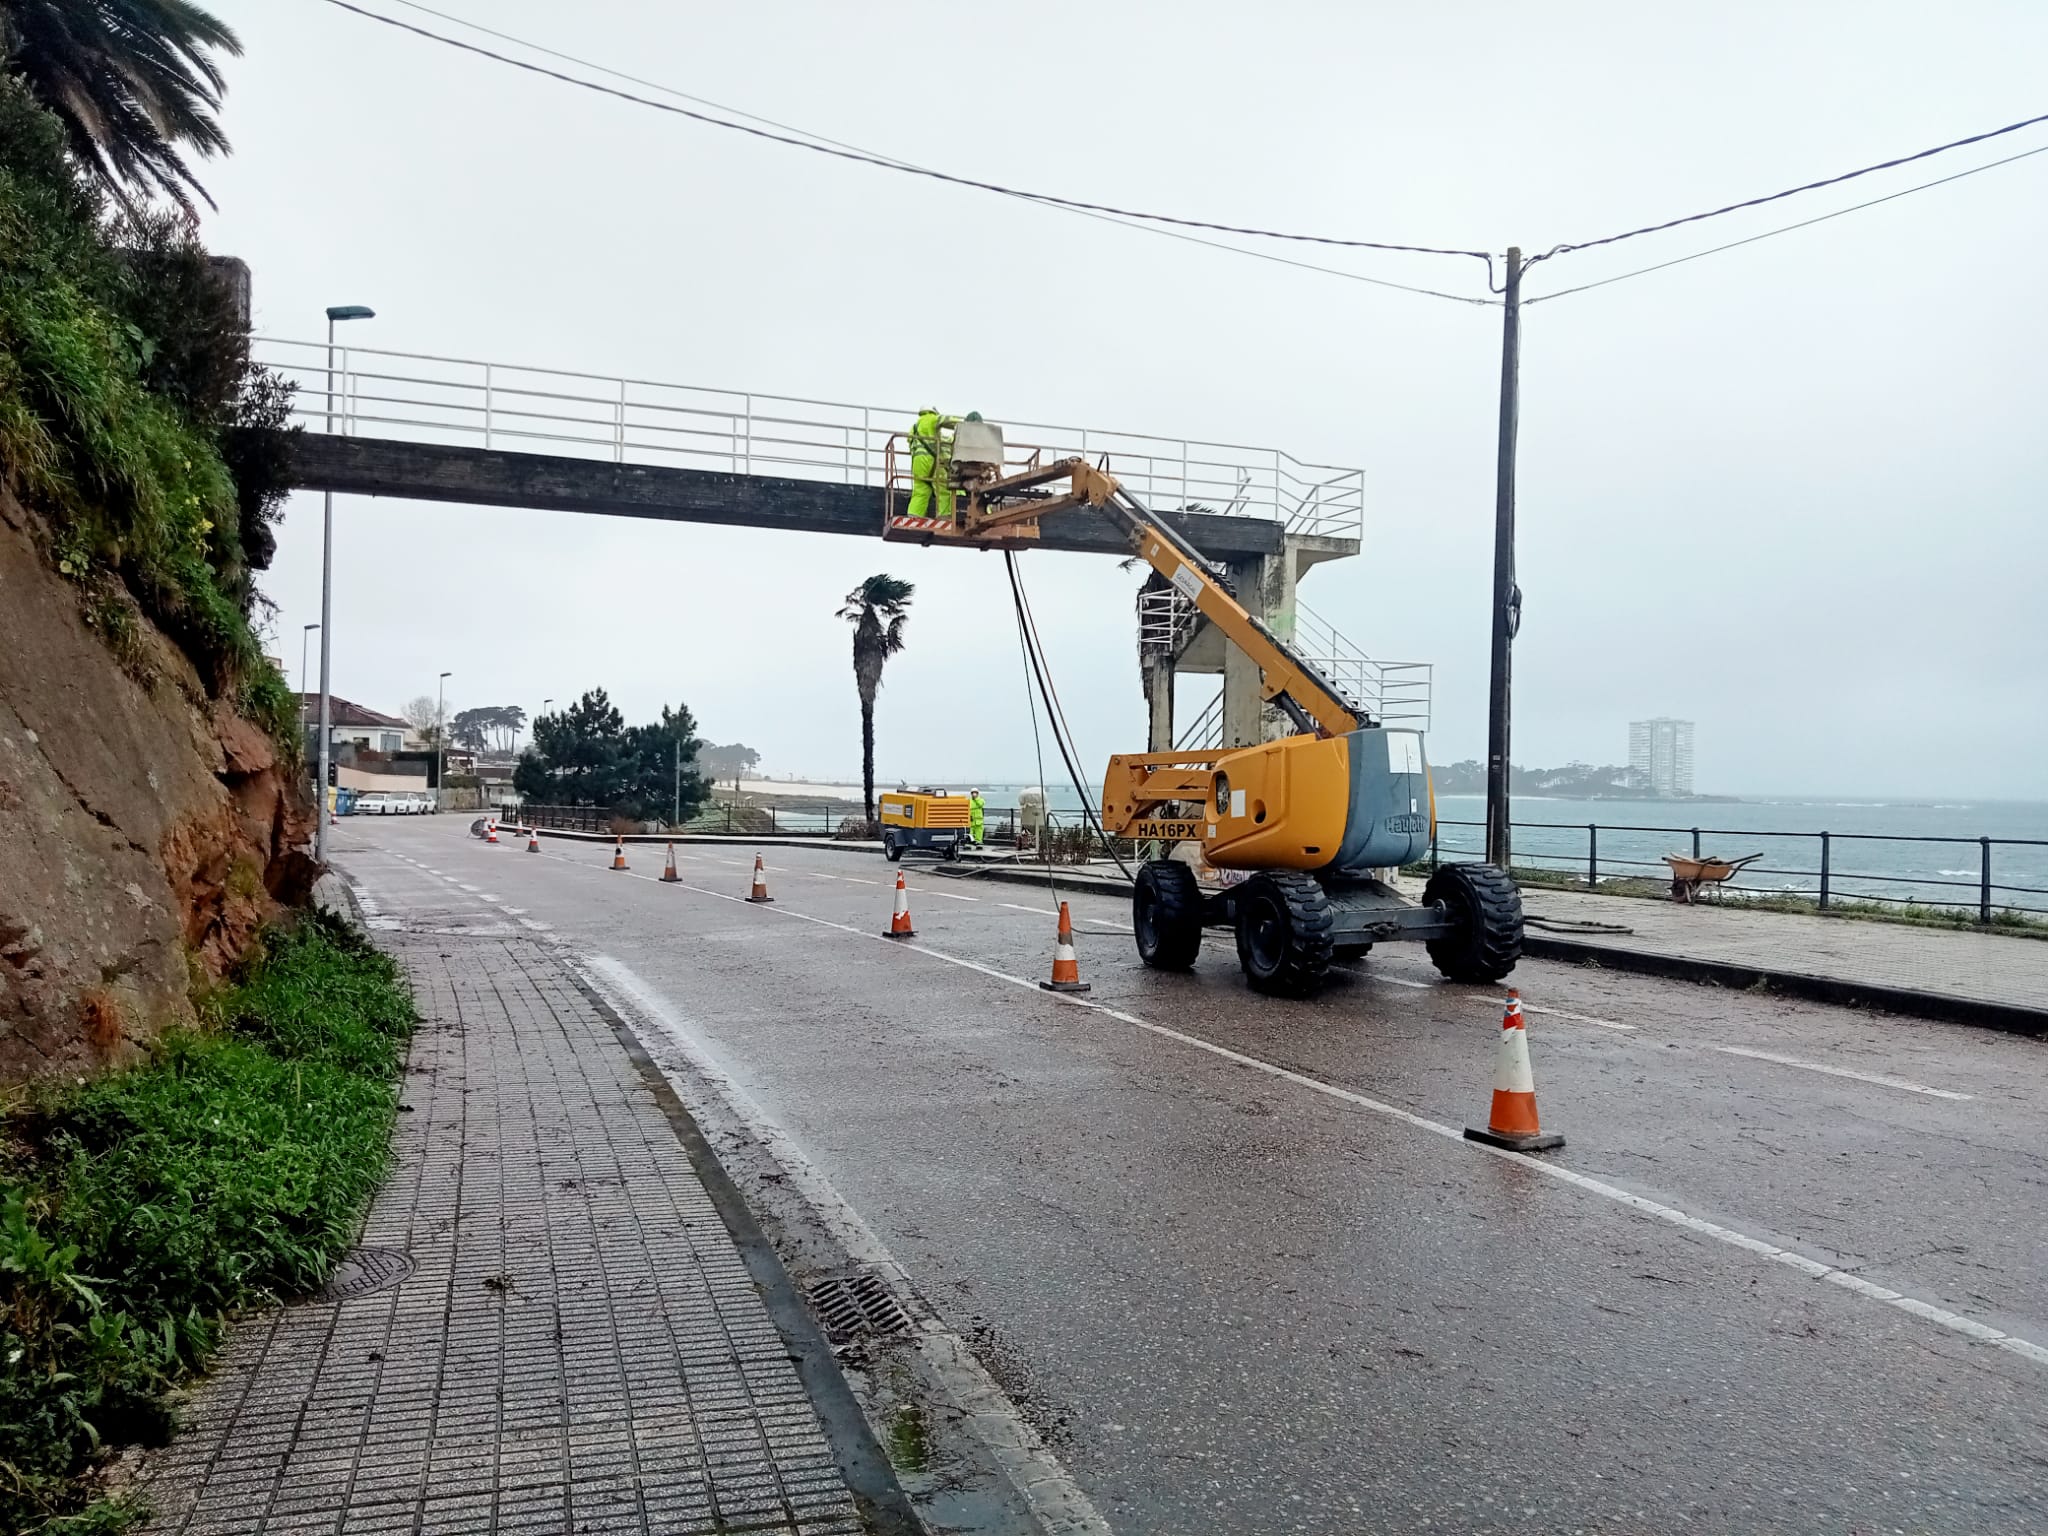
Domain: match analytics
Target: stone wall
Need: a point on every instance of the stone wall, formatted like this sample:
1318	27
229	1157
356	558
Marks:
145	831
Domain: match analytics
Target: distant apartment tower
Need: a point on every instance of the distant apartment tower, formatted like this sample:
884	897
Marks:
1661	751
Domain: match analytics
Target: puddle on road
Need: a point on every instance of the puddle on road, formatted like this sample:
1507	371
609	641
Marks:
910	1446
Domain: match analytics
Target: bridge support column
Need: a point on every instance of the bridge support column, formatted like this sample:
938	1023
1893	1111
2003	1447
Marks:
1158	673
1266	586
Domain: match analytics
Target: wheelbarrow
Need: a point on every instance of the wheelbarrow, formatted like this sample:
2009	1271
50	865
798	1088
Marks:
1690	876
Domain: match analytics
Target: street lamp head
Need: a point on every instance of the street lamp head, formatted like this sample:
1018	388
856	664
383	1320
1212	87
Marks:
447	674
351	312
311	627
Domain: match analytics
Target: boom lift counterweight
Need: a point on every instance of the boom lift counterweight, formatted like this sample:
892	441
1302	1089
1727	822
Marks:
1308	818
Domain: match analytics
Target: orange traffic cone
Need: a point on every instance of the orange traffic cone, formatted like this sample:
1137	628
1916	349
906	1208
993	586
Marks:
619	855
668	870
760	891
491	833
533	839
1513	1123
1066	966
899	925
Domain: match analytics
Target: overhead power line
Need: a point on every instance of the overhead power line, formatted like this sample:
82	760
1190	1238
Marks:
884	162
1811	186
1786	229
911	165
1171	225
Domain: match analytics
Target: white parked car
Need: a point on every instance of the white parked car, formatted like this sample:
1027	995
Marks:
373	803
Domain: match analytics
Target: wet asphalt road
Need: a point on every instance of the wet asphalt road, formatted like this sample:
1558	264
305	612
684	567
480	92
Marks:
1235	1302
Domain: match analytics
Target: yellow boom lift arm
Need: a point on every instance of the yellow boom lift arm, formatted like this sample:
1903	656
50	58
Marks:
1312	816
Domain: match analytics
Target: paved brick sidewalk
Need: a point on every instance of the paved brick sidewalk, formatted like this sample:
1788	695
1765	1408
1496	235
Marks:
580	1348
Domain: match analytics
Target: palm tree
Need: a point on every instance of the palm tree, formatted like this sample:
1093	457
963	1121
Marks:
877	609
132	81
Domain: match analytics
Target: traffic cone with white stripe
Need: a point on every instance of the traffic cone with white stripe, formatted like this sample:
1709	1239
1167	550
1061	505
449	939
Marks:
533	839
899	925
619	855
491	833
1066	966
759	893
1513	1123
668	869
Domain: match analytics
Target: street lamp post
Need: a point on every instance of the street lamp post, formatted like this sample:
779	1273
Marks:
441	737
335	313
303	638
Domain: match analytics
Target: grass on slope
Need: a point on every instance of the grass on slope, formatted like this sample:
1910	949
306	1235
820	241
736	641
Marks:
140	1208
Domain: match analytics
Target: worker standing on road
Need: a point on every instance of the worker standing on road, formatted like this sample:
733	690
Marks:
977	816
926	446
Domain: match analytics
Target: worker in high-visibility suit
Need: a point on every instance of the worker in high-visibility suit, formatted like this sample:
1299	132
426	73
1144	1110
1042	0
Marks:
931	461
977	815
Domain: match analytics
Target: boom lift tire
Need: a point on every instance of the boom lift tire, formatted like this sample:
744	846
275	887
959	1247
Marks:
1166	915
1283	932
1488	911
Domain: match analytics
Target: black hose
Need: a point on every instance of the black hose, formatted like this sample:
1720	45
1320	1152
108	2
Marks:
1055	718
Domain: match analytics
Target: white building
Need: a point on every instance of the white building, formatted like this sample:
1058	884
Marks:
1661	751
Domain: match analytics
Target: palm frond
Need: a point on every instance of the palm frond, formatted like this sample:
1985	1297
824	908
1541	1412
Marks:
134	82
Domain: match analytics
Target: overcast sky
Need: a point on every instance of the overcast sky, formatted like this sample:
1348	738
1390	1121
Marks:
1793	492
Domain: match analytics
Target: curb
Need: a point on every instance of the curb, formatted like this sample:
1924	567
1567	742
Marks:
863	1464
1939	1007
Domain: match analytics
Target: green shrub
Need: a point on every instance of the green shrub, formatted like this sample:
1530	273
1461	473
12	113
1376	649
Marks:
140	1208
126	393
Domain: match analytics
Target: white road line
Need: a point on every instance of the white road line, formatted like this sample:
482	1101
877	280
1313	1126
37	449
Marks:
925	890
1878	1078
1576	1018
1527	1007
856	880
1941	1317
1041	911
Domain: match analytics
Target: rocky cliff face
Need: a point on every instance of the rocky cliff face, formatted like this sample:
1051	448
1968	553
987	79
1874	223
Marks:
145	832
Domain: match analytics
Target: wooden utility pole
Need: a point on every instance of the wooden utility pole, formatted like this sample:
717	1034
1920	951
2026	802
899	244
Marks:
1507	597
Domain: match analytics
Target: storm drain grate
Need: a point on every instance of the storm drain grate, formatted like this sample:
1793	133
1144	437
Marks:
364	1272
860	1307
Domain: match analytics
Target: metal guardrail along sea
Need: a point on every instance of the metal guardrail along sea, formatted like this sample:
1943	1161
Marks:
420	397
1597	853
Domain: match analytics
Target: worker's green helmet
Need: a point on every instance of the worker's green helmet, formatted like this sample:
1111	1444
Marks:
972	416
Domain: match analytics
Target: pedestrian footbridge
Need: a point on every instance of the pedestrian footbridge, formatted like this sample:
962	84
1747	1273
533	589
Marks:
433	428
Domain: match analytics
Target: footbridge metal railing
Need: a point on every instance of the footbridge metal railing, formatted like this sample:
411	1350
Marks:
466	402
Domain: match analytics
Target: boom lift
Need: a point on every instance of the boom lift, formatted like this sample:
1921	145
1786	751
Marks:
1306	818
